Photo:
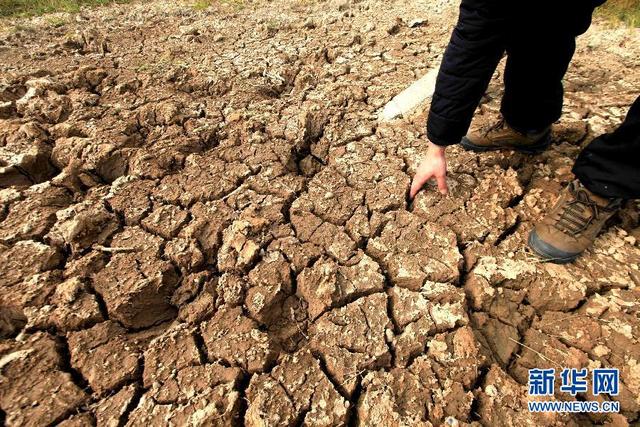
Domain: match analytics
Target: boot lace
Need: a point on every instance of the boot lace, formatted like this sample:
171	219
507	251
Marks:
571	220
496	126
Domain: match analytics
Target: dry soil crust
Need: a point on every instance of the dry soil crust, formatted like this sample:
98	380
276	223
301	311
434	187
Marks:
202	222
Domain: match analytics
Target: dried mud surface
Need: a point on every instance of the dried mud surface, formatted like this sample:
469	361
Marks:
202	222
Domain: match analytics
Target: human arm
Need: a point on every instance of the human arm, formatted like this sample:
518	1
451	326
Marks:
433	166
476	46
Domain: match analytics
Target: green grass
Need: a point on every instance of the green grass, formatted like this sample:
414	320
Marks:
626	11
201	4
204	4
57	21
21	8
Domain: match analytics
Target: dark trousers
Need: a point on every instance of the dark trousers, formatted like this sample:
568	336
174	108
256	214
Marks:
540	42
539	39
610	164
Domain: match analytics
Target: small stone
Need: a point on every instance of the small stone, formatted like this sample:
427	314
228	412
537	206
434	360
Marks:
418	22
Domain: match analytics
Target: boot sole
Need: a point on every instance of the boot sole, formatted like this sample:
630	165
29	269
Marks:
536	148
549	252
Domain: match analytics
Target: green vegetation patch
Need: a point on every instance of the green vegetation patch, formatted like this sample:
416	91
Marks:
204	4
38	7
627	11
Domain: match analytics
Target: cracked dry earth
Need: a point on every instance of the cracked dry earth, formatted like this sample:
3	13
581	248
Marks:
203	223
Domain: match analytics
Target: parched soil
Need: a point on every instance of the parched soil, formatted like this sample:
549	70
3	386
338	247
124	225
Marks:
203	222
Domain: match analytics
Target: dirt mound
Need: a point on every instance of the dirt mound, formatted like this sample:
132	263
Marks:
203	222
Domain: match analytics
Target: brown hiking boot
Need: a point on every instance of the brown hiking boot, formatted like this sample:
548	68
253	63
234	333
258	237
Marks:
572	225
501	136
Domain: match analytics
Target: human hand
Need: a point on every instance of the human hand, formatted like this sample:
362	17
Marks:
433	166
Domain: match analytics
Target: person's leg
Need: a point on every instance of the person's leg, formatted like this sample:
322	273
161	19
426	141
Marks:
540	41
607	172
541	45
610	165
476	46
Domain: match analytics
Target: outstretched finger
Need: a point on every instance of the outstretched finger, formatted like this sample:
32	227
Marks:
442	184
417	183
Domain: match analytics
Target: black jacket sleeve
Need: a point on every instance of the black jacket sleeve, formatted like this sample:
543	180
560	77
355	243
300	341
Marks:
476	46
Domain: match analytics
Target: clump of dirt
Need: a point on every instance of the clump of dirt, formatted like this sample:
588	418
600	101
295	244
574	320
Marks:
413	252
103	355
413	395
352	339
136	284
297	390
503	401
419	315
36	383
25	157
203	222
236	339
327	284
34	214
72	306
